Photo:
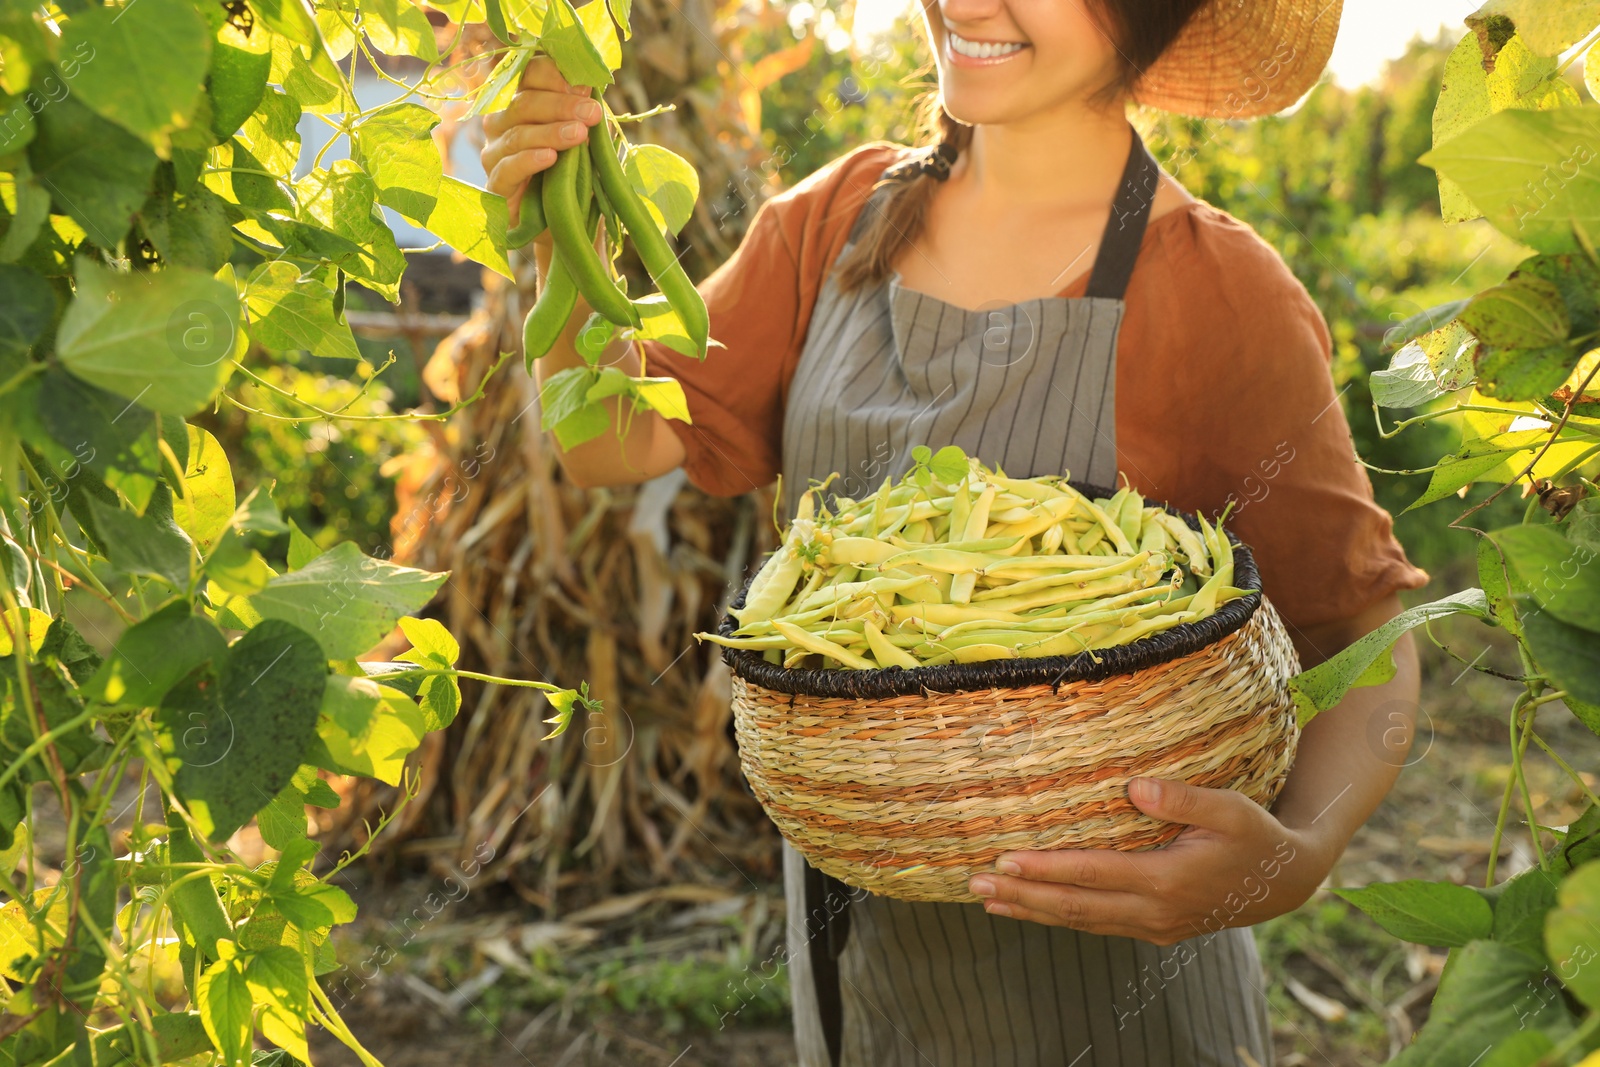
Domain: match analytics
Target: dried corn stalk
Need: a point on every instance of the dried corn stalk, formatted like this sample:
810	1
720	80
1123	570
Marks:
549	581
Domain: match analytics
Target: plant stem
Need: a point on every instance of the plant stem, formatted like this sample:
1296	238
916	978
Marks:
1574	775
326	1014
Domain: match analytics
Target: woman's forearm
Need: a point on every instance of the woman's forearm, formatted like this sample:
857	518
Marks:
639	445
1350	756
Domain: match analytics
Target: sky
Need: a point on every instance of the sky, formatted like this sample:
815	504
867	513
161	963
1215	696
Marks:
1370	31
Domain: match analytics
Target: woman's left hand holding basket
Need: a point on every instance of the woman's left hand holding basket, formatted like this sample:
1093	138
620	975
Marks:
1235	864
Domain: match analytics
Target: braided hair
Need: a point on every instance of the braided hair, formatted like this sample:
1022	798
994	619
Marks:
905	210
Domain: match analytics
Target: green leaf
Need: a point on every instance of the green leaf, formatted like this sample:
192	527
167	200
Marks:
314	907
258	512
473	222
663	396
949	464
1523	373
343	200
1423	323
236	567
1425	913
302	549
431	643
661	323
277	979
27	308
1488	993
1528	172
564	39
271	134
98	429
1580	843
666	181
149	64
621	10
1476	458
1568	654
1469	94
584	424
395	145
149	544
97	172
283	821
240	64
1438	363
208	499
348	600
596	19
369	728
1548	29
1563	577
309	74
1578	281
290	310
160	338
1324	685
1492	576
1524	312
1520	909
1572	934
399	28
191	230
234	738
501	85
154	654
225	1005
32	208
564	393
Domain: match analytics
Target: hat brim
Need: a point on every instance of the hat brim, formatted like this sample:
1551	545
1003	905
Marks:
1242	58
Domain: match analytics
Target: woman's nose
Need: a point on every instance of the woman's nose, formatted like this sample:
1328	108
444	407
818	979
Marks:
968	12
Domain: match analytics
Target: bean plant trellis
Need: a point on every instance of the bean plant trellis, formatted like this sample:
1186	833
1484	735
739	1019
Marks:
1515	367
155	235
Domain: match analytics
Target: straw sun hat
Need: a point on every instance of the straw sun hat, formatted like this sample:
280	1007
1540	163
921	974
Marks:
1242	58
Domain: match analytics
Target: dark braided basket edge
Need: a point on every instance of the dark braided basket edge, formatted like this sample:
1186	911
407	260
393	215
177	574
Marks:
1182	640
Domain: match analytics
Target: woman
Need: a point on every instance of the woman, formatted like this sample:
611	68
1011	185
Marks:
977	291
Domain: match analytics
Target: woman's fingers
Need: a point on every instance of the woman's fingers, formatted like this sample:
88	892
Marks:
541	106
510	176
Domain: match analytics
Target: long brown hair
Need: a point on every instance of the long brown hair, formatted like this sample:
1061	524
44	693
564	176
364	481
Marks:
1141	31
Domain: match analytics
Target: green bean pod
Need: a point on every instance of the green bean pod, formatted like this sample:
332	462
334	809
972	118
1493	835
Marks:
654	251
530	223
565	214
551	312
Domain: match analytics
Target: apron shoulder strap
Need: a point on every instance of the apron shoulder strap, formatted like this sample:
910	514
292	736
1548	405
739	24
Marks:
1130	213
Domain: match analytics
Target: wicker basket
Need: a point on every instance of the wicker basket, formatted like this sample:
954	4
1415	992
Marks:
905	782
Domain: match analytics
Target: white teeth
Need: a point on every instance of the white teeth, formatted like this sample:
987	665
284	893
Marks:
983	49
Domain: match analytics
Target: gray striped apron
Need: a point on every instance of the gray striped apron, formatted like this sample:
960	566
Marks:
879	982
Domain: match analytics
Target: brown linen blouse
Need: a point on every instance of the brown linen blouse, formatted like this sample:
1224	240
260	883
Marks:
1223	388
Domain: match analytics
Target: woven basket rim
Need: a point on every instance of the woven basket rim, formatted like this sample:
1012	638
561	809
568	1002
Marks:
1185	639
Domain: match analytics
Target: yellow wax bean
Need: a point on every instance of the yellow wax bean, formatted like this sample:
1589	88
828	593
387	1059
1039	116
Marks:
859	551
1035	566
960	509
839	594
1196	555
822	646
884	650
1075	575
941	615
1131	516
1144	628
1153	537
944	560
1113	531
1090	538
1065	643
978	653
1050	541
1062	594
978	519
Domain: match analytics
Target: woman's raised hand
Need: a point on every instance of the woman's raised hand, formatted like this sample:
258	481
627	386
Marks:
546	115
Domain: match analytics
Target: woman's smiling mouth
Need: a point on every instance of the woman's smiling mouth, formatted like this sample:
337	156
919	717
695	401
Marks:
965	50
